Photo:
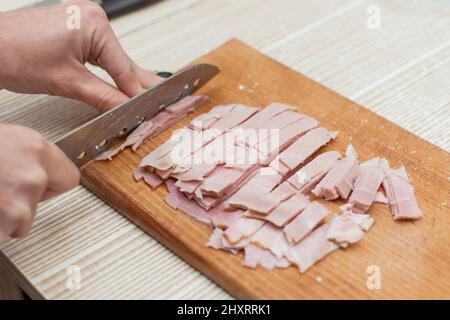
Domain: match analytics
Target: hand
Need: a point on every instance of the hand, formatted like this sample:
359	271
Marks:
41	54
31	170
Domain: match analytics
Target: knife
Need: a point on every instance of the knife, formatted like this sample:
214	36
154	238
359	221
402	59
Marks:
100	134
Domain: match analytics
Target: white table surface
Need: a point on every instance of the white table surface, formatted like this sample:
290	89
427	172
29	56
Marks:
400	71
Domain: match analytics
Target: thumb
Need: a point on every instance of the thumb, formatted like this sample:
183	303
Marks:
92	90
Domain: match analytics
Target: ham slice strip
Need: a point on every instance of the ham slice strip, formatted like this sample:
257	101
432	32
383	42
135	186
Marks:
272	146
271	126
305	179
265	114
305	146
255	256
262	183
367	184
267	203
206	120
312	249
305	222
400	193
163	120
287	210
338	182
237	115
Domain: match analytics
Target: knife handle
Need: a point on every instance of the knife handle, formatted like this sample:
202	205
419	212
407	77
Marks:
115	7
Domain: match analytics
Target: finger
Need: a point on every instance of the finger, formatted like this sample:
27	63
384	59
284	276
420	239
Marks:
116	62
94	91
147	78
3	238
26	210
62	174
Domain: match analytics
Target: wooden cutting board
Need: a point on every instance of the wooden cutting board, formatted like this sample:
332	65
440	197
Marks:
410	259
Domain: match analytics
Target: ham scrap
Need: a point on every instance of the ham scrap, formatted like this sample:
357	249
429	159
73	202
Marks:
304	147
312	249
338	182
246	173
400	194
305	179
367	184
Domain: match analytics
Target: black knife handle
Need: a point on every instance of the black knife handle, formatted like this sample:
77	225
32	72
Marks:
115	7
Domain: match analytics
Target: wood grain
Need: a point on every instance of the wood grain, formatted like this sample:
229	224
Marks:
9	290
409	254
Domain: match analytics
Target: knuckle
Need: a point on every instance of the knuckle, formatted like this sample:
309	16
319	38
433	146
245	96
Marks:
19	214
36	178
39	144
105	101
72	179
94	12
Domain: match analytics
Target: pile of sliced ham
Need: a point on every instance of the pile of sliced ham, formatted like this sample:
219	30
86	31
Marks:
256	177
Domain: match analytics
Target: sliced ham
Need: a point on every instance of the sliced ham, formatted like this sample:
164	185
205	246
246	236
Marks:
255	256
268	202
305	179
225	180
248	192
238	114
344	231
305	147
165	155
312	249
216	242
220	218
381	198
367	184
273	125
262	183
364	221
304	223
348	228
206	120
400	194
163	120
271	238
241	229
265	114
150	178
177	200
338	182
287	210
274	145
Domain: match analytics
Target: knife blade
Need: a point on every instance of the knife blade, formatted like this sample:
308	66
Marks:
100	134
